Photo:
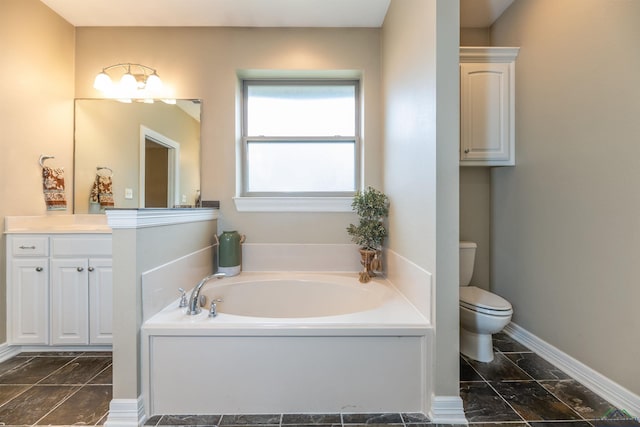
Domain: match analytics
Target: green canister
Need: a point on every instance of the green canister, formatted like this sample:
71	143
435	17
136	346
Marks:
230	253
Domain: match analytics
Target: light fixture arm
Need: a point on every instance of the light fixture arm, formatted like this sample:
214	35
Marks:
138	81
127	66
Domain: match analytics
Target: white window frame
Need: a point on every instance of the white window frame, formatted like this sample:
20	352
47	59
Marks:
320	201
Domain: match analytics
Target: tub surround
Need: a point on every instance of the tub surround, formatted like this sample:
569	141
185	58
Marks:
316	346
267	364
300	257
414	282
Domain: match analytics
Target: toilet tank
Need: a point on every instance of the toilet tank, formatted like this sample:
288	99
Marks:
467	259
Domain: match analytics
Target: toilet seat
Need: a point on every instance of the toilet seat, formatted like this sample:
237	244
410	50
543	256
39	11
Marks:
481	301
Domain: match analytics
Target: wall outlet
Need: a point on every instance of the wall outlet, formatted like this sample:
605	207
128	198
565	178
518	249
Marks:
128	193
184	198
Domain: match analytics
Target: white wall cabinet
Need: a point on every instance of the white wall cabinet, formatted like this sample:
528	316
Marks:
59	289
487	106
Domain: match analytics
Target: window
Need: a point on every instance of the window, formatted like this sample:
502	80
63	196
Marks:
300	138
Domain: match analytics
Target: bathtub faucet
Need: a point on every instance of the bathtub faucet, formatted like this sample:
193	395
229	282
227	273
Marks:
194	300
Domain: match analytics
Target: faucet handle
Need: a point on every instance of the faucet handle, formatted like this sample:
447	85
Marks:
183	298
213	310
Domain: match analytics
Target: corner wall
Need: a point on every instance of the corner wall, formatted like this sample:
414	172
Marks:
566	219
135	253
36	114
420	40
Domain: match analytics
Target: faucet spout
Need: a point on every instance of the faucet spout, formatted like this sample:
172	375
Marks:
194	308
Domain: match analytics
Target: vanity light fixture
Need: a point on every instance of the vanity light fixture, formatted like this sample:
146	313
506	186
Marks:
137	82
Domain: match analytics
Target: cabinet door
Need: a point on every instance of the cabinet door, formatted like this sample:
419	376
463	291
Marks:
100	301
69	301
486	115
28	301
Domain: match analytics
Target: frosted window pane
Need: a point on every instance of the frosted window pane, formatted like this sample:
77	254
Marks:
301	167
312	110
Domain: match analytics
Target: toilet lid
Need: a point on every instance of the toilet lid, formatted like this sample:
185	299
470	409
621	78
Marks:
473	297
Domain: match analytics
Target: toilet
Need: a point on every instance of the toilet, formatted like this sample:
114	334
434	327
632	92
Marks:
482	313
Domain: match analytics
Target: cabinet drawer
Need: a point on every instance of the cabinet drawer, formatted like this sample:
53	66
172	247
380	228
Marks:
30	246
81	246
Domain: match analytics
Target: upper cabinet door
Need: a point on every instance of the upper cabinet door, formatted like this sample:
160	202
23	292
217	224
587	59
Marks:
487	101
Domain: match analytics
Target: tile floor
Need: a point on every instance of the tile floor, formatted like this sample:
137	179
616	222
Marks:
69	388
517	389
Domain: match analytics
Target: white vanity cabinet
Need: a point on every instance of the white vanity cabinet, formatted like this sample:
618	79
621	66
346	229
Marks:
28	289
62	295
487	106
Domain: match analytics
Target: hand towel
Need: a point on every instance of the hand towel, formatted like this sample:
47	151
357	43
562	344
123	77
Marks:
53	188
102	191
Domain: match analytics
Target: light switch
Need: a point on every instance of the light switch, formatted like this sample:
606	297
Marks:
128	193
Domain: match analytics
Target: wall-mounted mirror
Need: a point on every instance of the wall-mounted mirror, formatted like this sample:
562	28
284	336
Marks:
134	155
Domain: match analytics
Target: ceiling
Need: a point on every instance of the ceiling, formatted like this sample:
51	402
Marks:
251	13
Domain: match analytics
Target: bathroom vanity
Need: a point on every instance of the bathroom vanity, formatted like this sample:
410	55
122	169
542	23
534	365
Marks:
59	281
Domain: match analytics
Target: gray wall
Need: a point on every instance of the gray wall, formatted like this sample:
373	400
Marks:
420	45
566	219
475	191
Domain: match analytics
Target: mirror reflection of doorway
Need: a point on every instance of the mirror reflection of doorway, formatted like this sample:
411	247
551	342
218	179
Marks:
159	170
156	175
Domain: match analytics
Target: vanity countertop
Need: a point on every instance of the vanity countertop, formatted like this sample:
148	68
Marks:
56	224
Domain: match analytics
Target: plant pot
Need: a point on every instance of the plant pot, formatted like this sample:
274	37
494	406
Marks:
371	262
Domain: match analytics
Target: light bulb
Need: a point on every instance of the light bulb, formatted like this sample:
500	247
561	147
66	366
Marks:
128	83
154	84
102	82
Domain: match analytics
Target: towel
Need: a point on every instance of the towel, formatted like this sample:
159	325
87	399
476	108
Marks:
53	188
102	191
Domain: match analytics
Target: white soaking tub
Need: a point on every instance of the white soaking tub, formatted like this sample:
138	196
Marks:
287	343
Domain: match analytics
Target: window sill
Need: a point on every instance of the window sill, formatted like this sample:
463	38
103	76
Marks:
293	204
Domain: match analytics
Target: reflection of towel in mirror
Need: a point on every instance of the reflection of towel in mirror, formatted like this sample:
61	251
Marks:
53	188
102	191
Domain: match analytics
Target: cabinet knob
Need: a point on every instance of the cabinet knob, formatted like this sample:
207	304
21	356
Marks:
80	269
39	269
466	151
91	268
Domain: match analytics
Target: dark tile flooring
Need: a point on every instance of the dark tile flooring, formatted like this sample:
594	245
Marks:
69	388
517	389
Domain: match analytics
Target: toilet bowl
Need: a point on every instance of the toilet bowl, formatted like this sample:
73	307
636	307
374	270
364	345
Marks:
482	313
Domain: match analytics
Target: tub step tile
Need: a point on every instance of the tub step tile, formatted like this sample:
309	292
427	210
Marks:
311	419
369	419
189	420
251	419
415	418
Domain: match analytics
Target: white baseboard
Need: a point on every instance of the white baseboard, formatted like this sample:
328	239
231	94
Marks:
8	351
447	410
609	390
126	413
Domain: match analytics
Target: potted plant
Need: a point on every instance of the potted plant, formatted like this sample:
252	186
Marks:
372	207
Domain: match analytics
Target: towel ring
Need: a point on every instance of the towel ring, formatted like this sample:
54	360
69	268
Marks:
99	168
43	158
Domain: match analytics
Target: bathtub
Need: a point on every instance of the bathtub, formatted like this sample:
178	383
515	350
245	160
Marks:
289	343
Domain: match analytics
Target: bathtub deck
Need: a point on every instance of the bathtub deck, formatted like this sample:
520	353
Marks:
379	358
